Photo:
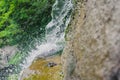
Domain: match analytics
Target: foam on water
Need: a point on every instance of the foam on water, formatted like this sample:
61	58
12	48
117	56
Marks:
61	12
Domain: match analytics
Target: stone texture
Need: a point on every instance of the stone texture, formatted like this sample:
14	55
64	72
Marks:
40	69
5	54
93	41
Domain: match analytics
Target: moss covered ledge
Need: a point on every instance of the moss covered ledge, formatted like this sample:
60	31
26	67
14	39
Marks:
49	68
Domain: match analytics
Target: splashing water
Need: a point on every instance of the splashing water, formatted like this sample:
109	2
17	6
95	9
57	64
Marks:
61	12
54	31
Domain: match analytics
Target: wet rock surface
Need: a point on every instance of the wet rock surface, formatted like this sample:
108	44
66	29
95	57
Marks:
93	41
5	54
6	71
51	64
49	68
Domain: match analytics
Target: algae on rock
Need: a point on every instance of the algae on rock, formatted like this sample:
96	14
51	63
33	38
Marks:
40	69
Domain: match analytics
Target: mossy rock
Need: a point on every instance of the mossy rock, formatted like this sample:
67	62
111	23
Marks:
41	70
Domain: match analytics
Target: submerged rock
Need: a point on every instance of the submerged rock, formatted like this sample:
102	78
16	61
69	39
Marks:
6	71
93	41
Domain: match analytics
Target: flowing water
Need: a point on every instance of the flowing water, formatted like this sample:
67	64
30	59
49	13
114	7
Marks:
55	30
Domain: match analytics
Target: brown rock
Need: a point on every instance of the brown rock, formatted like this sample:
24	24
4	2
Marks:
49	68
93	41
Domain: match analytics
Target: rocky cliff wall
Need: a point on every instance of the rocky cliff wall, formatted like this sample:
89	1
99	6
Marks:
93	41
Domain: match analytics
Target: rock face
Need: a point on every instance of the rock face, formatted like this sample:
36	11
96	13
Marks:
93	41
5	54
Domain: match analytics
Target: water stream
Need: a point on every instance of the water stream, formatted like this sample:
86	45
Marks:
61	12
55	31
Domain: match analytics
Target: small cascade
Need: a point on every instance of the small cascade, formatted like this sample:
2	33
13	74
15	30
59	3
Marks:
54	40
61	12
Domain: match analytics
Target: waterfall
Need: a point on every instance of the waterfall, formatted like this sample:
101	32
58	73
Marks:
61	12
54	39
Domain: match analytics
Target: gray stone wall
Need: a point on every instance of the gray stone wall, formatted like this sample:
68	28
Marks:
92	49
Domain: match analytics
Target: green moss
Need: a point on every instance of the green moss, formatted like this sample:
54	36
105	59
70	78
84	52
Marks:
16	59
38	77
28	25
66	31
23	21
43	72
13	77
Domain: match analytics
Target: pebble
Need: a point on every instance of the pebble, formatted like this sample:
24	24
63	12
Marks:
51	64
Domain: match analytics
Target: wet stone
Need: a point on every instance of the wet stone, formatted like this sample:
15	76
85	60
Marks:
3	78
6	71
51	64
44	69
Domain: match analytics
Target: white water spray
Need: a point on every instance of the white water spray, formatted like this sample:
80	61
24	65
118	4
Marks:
54	32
